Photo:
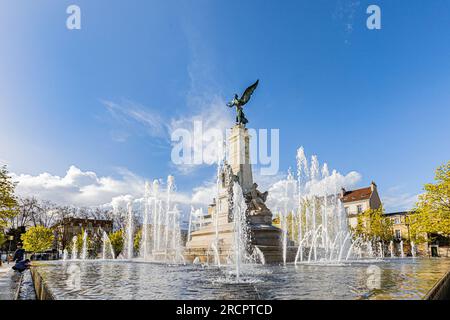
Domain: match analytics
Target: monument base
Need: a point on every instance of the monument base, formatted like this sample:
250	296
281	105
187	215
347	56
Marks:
214	241
266	237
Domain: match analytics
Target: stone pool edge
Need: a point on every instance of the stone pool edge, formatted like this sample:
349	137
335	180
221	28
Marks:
440	290
40	287
10	284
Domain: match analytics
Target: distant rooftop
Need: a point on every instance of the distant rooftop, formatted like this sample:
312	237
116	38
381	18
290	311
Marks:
356	195
402	213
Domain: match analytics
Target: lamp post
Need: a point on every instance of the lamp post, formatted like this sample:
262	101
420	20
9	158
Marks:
10	238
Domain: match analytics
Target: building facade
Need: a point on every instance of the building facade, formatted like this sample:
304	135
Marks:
357	201
400	225
70	227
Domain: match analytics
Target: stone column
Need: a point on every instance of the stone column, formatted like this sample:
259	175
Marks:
239	156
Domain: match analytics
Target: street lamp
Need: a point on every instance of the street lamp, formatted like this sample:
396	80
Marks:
10	238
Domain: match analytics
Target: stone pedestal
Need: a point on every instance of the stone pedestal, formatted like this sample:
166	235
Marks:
239	154
259	218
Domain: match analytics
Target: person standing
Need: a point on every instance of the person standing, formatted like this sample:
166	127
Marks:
19	254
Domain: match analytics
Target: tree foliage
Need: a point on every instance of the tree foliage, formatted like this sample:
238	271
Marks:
373	224
38	239
137	241
116	239
432	212
8	201
2	238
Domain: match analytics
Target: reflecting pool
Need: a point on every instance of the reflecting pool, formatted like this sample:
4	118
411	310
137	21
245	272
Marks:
120	279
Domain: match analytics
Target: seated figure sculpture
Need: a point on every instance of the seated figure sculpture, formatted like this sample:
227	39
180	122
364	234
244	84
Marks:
256	200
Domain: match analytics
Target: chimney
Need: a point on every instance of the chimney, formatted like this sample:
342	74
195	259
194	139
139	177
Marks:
373	186
342	192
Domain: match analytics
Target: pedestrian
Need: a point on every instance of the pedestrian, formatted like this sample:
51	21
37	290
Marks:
19	254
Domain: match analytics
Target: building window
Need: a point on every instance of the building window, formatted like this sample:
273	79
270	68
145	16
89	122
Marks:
398	234
397	220
359	208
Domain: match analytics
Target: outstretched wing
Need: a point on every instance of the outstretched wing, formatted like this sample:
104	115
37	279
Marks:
248	93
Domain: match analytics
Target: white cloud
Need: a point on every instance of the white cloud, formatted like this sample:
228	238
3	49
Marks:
209	111
203	195
77	187
395	199
328	185
214	119
87	189
134	117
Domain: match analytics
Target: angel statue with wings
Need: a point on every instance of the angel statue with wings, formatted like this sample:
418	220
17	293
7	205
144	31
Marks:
240	102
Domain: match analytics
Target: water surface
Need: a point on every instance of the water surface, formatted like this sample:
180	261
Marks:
115	279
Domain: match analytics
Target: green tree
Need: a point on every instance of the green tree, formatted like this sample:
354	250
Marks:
373	224
432	212
116	239
2	238
37	239
137	241
8	202
360	229
78	243
90	243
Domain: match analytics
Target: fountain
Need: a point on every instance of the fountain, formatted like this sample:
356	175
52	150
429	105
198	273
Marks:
84	250
380	249
166	226
237	231
168	214
239	228
107	248
313	231
219	226
413	249
128	236
65	254
155	214
322	230
260	256
215	244
144	251
74	254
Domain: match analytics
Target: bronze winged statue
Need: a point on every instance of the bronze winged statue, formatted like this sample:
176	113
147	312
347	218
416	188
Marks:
240	102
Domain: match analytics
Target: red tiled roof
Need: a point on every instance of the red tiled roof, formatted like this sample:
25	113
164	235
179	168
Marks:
357	195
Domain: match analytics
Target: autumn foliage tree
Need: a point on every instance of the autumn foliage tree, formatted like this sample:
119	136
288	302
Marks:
116	239
373	224
432	212
37	239
8	201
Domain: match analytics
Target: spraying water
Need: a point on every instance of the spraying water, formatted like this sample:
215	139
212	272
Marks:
84	248
168	226
74	255
145	240
107	249
321	221
240	228
155	215
65	255
129	232
402	253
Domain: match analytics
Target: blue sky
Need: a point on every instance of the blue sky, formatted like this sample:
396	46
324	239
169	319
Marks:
99	98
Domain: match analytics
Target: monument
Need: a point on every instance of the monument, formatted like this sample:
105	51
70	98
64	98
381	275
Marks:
215	239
